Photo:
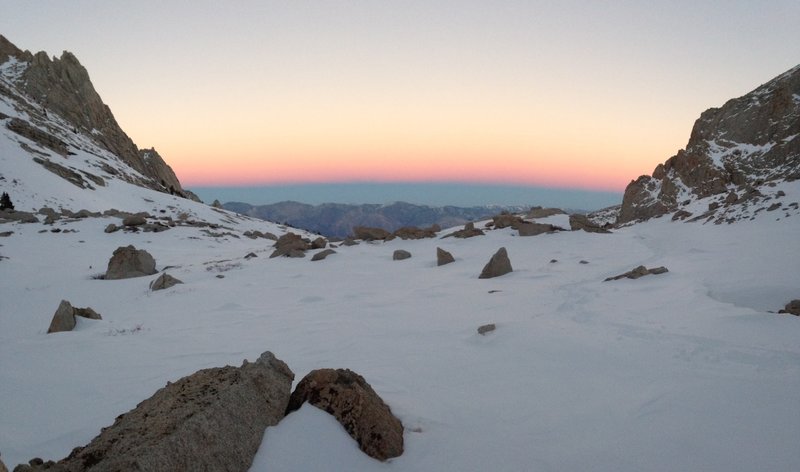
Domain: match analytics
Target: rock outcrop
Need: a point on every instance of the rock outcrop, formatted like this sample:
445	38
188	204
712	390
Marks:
535	229
498	265
213	419
468	231
579	222
62	85
637	272
128	262
748	141
64	317
352	401
366	233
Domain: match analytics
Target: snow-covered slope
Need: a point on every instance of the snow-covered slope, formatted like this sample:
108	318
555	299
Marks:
687	370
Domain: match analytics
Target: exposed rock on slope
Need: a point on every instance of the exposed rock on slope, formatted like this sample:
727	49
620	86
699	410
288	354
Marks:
62	86
750	140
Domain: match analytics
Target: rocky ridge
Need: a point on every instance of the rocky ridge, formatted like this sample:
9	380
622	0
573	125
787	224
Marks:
57	102
750	141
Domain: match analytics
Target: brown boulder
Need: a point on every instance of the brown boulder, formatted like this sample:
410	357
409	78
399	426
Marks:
506	220
350	399
498	265
792	308
128	262
535	229
322	255
134	220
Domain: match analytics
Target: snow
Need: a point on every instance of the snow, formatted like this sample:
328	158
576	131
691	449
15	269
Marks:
12	69
719	151
687	370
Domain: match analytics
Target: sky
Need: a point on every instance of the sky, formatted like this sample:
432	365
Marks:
568	94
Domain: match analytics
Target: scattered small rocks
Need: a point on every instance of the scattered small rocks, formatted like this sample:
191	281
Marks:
322	255
498	265
443	257
290	245
64	317
487	328
352	401
468	232
128	262
164	281
640	271
400	255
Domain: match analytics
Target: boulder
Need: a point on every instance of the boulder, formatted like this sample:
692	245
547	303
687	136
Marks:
412	232
319	243
637	272
506	220
535	229
134	220
498	265
443	257
792	308
213	419
290	245
322	255
128	262
400	255
352	401
64	317
111	228
370	234
582	222
164	281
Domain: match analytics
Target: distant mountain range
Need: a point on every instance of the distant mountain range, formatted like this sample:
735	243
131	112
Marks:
337	219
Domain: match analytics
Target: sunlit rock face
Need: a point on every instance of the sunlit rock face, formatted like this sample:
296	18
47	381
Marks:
749	141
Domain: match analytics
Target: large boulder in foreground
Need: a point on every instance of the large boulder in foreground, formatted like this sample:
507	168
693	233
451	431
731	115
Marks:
213	419
348	397
128	262
64	317
498	265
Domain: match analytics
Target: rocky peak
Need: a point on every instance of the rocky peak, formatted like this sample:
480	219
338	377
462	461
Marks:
747	142
62	86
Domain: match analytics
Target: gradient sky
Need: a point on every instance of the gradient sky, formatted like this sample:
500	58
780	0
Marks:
578	94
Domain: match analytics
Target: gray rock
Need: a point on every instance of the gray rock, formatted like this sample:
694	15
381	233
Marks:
535	229
128	262
482	330
250	255
319	243
164	281
64	317
213	419
400	255
323	254
443	257
134	220
792	308
111	228
352	401
498	265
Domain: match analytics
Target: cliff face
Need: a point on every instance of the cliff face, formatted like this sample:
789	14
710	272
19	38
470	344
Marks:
749	141
62	86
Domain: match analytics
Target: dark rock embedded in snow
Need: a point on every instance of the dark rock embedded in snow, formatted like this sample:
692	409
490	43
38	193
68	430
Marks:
535	229
468	232
792	308
498	265
128	262
400	255
352	401
582	222
482	330
640	271
322	255
213	419
443	257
